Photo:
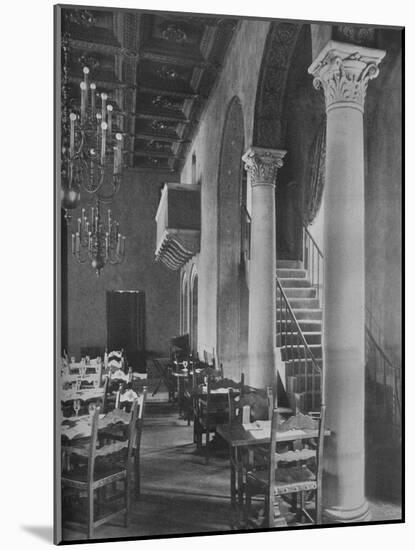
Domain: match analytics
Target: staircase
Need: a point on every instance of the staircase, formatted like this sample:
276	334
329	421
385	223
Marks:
299	333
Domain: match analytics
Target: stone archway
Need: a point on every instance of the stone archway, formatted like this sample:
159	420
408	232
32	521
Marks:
230	280
269	121
277	110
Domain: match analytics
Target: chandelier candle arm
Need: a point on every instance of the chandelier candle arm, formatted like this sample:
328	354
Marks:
86	73
84	92
118	154
101	240
99	118
115	159
72	118
104	98
92	148
109	109
103	141
93	99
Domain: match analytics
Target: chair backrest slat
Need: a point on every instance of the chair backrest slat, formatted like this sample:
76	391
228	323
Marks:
297	422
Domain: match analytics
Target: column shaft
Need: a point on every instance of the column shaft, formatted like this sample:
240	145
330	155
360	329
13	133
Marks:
343	71
344	315
262	293
262	165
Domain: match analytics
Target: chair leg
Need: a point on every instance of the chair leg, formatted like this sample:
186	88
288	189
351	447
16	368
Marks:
127	499
207	445
90	513
302	505
275	518
100	494
199	442
137	480
248	503
319	519
269	512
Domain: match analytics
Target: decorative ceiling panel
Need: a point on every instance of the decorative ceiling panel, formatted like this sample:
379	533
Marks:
157	69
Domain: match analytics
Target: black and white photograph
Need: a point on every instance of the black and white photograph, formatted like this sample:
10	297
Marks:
228	258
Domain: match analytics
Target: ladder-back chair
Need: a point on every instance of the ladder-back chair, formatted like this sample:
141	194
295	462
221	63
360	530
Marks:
294	469
102	463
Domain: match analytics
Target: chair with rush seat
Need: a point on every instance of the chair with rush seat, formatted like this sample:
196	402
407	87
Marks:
293	472
98	464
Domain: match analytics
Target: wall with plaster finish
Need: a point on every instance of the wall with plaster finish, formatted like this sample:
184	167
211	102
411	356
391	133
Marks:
239	78
383	195
383	174
134	207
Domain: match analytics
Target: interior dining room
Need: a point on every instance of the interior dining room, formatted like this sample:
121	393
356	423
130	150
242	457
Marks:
229	243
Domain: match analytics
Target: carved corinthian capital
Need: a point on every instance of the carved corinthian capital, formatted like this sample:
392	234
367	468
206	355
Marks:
343	71
262	165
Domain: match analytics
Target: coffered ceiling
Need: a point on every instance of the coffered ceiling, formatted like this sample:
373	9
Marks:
158	70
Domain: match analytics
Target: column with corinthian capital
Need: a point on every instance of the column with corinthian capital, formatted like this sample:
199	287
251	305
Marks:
262	165
343	72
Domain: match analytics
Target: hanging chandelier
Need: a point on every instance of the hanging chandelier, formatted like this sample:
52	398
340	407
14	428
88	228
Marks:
92	145
98	242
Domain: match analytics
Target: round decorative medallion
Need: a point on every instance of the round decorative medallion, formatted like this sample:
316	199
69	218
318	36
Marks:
314	186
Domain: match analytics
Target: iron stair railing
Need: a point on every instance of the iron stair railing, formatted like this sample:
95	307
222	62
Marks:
383	379
381	370
313	263
297	351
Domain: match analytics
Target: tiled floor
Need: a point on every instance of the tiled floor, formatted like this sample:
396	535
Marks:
180	493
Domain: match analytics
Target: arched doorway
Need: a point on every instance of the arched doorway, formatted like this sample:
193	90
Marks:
230	278
194	283
184	307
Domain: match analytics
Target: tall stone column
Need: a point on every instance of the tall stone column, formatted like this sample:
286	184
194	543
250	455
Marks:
343	72
262	165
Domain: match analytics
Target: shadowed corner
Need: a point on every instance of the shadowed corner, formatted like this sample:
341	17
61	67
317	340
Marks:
43	532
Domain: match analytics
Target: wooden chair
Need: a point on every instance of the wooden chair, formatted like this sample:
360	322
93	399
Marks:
102	463
294	470
245	458
86	397
210	410
164	376
137	445
126	402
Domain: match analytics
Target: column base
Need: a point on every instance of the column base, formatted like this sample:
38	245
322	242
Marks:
343	515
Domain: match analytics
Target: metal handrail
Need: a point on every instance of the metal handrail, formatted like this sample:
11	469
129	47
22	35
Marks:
310	259
296	332
393	368
320	253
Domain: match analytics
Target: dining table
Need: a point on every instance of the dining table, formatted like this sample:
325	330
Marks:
242	440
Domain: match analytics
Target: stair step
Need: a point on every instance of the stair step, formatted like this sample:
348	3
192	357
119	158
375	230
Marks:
299	292
303	303
306	325
312	338
295	352
292	282
298	367
285	273
289	264
308	400
301	314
